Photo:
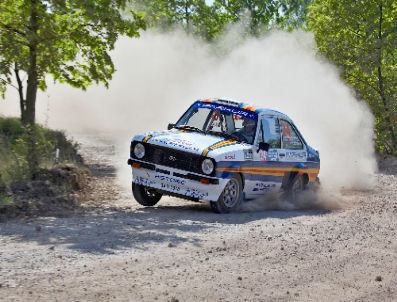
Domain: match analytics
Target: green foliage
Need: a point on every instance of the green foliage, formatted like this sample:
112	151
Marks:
260	14
361	37
72	39
195	16
68	39
14	148
6	200
11	128
294	14
209	21
263	15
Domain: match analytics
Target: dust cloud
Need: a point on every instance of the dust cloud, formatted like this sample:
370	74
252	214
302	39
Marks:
159	75
320	199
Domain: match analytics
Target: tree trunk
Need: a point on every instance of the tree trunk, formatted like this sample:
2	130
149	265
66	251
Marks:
187	17
22	101
30	113
32	85
29	117
31	90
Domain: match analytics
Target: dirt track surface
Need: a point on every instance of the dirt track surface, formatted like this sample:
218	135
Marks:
116	250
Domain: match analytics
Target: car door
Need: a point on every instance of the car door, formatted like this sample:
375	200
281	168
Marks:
266	175
293	150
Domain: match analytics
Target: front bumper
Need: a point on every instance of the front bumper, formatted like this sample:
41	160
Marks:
176	182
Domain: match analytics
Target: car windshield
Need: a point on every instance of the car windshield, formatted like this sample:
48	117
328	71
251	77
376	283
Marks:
221	120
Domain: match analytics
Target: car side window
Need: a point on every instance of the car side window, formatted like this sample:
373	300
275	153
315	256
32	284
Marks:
290	139
270	132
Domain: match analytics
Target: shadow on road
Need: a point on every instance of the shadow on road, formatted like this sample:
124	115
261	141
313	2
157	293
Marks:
106	231
95	228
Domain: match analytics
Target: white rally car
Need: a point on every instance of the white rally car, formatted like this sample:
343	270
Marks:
225	153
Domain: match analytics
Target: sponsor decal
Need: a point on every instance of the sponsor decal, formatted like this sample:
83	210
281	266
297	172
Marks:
170	180
169	187
296	155
230	156
178	143
272	155
246	112
248	155
139	180
153	134
263	155
241	105
263	187
196	193
182	144
172	185
160	141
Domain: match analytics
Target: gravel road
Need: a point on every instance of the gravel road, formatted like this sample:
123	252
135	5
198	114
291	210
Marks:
115	250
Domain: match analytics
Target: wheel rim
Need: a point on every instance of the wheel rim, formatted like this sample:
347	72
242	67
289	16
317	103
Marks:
231	193
150	192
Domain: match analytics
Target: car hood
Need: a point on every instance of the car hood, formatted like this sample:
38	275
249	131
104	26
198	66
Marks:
192	142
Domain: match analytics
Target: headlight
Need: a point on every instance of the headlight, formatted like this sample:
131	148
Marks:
207	166
139	150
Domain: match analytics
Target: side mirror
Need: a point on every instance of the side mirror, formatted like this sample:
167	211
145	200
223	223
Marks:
170	126
263	146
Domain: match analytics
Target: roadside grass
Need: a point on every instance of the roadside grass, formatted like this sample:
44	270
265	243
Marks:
6	200
14	153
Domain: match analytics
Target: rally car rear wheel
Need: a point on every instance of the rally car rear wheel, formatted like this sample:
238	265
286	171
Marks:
230	198
146	196
294	192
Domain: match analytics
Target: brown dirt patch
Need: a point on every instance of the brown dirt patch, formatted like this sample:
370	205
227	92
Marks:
51	193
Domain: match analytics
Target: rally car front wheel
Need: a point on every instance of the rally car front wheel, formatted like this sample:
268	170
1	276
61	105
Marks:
145	196
231	197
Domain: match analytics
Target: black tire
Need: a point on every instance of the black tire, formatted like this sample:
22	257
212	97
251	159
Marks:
294	191
145	196
231	197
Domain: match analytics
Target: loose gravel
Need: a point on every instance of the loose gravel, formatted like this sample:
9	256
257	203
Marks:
116	250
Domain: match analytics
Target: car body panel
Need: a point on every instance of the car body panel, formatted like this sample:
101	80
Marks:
180	140
178	185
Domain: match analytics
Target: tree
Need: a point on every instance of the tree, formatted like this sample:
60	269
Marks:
293	14
194	16
210	20
264	14
68	39
361	37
